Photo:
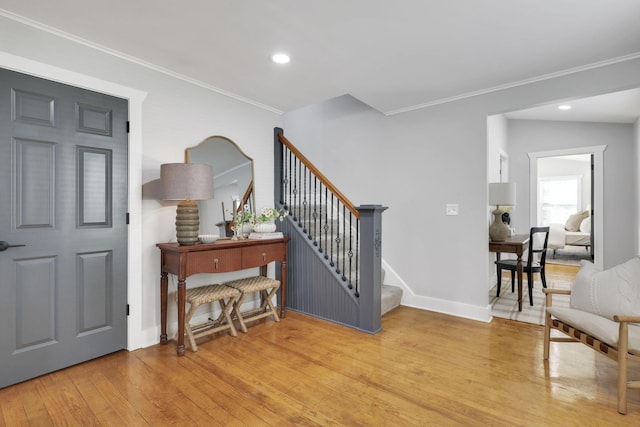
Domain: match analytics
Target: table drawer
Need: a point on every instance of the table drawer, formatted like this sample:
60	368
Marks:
260	255
214	261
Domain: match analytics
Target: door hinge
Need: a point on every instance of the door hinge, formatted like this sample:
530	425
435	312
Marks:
128	126
127	219
127	309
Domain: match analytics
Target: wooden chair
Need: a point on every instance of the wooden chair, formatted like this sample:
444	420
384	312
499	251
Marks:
535	262
604	315
195	297
266	287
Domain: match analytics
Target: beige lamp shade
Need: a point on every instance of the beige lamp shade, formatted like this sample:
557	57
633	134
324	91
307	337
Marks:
186	182
500	194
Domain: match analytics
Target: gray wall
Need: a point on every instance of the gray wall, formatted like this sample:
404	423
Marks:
174	115
620	191
417	162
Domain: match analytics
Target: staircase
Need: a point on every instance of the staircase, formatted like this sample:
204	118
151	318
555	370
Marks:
391	296
335	248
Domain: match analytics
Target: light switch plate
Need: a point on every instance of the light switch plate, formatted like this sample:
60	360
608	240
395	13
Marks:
452	209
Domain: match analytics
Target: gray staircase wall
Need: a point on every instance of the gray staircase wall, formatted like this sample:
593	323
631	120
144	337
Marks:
313	287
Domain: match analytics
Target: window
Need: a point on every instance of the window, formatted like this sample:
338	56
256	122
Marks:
558	198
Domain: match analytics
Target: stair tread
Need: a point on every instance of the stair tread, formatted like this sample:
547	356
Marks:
391	297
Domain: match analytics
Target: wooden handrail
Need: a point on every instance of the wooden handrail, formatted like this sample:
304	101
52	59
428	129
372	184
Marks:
345	201
247	194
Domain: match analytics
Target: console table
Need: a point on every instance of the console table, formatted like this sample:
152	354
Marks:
219	257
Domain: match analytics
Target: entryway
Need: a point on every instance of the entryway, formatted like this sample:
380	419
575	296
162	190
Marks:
63	187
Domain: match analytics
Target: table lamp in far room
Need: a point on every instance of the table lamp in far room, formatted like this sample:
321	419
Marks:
500	194
186	182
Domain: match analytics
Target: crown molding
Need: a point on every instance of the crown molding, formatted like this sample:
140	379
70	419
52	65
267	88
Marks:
543	77
63	34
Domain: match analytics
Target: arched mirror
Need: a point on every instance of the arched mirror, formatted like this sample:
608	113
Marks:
232	178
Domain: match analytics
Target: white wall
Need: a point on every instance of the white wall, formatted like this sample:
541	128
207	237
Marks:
417	162
636	214
497	145
174	115
620	191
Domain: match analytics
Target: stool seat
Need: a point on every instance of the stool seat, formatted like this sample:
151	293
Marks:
195	297
266	287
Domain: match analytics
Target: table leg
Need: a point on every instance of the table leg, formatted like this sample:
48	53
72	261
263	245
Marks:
283	289
164	285
182	296
519	264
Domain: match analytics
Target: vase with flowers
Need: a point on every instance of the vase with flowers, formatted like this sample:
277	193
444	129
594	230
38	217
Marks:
243	220
266	221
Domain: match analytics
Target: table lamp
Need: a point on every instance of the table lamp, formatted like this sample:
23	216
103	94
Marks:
186	182
500	194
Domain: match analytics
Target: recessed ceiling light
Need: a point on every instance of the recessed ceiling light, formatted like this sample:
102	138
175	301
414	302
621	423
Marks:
281	58
564	107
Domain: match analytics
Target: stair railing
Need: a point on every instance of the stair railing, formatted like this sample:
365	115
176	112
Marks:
347	237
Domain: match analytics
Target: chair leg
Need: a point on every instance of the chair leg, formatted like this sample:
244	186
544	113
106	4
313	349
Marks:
543	278
547	332
623	337
499	271
530	286
513	281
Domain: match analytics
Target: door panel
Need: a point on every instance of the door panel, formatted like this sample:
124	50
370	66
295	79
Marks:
63	195
34	167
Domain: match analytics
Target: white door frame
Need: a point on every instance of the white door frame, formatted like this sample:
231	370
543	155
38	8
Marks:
598	191
136	98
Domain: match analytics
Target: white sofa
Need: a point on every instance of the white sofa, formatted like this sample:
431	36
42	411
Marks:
604	314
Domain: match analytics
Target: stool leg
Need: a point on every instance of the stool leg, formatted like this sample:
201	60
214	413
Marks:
226	307
266	297
236	306
187	327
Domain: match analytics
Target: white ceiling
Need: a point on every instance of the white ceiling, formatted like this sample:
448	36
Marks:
393	55
616	107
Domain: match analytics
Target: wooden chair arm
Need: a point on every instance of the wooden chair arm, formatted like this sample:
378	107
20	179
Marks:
548	293
628	319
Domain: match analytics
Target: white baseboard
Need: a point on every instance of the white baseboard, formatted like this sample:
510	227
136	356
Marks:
410	299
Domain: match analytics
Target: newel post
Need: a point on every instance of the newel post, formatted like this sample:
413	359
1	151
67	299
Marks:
370	267
278	179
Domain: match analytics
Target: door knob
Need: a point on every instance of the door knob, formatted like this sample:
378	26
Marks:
4	246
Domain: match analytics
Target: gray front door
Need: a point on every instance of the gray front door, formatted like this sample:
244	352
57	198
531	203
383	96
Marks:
63	196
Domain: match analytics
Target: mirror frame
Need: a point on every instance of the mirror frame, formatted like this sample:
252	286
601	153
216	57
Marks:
249	194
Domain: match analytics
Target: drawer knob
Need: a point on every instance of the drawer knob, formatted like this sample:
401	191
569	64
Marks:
264	256
215	263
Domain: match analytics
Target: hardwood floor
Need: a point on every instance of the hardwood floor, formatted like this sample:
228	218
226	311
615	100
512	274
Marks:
424	368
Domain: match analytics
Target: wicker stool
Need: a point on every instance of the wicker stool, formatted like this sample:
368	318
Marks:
267	288
225	295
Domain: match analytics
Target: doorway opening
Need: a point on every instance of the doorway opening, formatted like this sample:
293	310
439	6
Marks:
566	187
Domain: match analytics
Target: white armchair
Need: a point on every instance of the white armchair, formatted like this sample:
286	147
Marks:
604	314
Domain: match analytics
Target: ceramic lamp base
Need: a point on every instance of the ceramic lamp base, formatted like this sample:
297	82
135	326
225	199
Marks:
498	231
187	222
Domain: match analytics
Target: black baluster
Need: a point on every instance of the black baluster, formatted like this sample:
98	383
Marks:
315	211
332	233
350	252
305	222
